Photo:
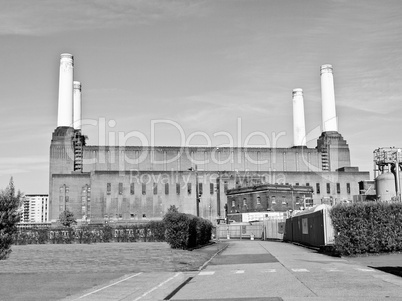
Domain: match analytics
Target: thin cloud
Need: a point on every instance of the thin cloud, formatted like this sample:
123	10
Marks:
48	16
12	171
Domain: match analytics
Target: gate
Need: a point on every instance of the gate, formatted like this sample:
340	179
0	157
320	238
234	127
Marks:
239	231
274	228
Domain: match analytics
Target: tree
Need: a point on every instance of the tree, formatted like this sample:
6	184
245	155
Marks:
173	209
66	218
9	203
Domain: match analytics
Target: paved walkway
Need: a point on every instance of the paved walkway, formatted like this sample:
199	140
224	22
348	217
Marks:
257	270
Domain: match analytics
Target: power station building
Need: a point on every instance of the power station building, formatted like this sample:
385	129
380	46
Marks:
100	183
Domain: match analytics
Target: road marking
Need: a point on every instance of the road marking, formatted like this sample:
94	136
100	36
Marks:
300	270
364	270
156	287
135	275
239	272
333	270
206	273
269	271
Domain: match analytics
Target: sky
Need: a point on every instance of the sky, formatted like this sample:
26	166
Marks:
186	72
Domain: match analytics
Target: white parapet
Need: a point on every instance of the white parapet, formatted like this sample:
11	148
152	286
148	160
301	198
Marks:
65	109
329	119
299	127
77	116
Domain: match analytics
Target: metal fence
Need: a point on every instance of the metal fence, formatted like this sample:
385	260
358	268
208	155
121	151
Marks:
265	229
274	228
239	231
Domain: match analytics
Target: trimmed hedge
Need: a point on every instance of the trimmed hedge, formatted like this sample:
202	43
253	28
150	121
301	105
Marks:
185	231
372	227
152	231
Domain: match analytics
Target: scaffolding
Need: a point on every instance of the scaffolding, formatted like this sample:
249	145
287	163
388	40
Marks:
389	159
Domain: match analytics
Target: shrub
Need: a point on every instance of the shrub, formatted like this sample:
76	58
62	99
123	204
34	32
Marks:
204	231
184	231
177	229
367	227
67	219
158	230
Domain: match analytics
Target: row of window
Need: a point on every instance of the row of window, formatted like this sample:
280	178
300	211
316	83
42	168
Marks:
338	188
318	187
212	188
273	201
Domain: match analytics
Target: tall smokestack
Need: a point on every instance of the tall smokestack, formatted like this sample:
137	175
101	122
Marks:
77	116
329	120
65	112
299	128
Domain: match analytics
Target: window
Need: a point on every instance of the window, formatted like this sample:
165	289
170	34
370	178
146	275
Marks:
155	188
297	184
189	188
273	200
225	187
65	203
348	188
244	202
84	200
132	188
233	204
166	188
108	188
144	188
211	188
120	188
317	185
177	188
338	188
328	188
307	184
200	188
258	200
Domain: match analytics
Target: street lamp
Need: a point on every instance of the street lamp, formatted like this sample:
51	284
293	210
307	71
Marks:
65	196
398	183
218	194
197	197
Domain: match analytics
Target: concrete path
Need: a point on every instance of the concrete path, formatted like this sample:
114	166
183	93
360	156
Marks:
259	270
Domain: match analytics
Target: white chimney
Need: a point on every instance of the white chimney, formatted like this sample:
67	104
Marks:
299	127
329	119
77	116
65	111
